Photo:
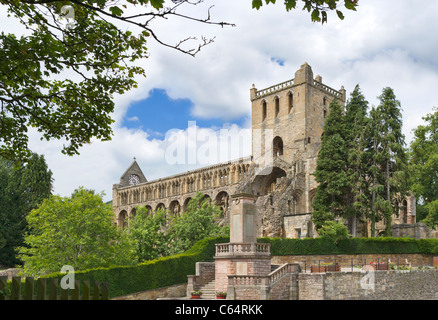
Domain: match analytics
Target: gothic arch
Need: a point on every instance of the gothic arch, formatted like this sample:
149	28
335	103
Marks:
149	209
277	147
132	213
160	206
264	184
222	200
277	105
264	109
174	208
123	219
186	203
290	100
404	212
206	197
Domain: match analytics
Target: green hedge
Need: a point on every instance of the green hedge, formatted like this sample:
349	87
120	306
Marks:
152	274
172	270
320	246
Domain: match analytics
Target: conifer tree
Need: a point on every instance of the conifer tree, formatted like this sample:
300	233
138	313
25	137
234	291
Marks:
358	143
388	170
22	189
331	173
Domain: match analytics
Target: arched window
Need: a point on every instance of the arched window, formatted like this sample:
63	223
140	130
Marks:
290	102
404	212
264	110
277	106
277	146
123	219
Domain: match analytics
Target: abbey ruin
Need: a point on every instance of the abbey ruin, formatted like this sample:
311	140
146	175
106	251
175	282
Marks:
287	124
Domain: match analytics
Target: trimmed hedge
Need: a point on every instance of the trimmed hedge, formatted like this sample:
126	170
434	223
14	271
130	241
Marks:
173	270
151	274
321	246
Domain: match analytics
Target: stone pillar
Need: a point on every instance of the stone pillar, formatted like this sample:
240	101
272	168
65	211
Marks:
242	255
242	219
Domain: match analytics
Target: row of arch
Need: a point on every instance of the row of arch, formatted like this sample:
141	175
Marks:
290	105
174	208
204	180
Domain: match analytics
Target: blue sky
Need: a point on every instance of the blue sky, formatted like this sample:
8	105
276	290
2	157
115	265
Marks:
159	113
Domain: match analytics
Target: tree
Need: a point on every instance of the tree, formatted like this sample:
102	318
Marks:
21	190
334	230
423	160
358	144
389	165
60	77
148	234
318	8
199	221
76	231
158	234
331	169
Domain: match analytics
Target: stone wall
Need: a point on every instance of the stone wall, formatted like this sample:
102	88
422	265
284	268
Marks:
416	231
285	288
230	266
305	261
375	285
311	286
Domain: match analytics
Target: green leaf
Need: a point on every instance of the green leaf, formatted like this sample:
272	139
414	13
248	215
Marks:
157	4
315	15
351	5
340	14
257	4
116	11
290	4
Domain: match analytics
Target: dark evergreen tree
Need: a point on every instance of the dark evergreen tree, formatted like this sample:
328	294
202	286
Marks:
331	169
21	190
358	144
388	170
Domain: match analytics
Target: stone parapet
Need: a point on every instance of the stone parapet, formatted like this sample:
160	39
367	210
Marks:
242	249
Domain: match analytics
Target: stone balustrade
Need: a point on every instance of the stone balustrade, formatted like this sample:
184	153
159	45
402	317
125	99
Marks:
225	249
284	269
274	88
327	89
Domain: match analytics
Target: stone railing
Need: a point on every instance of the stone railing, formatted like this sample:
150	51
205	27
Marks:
274	88
284	269
327	89
263	287
244	280
224	249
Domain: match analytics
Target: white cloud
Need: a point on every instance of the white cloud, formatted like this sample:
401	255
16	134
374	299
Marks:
385	43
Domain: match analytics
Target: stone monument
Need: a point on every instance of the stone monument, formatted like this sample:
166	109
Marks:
242	256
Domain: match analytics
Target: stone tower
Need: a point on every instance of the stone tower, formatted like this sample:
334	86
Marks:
287	124
288	118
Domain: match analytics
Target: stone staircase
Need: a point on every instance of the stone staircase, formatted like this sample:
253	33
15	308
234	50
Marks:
208	291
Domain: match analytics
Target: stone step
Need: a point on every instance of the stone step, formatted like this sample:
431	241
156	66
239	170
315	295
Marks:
208	290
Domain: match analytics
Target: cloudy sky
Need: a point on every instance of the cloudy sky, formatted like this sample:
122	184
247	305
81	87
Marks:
384	43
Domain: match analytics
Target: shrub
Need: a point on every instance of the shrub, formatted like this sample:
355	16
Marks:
151	274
